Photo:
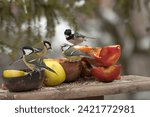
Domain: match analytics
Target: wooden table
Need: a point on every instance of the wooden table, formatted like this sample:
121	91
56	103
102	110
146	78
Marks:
89	89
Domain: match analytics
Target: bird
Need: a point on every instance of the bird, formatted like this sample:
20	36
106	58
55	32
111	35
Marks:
41	50
32	60
72	54
75	38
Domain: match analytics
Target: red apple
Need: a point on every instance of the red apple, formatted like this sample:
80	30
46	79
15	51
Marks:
106	74
109	55
105	56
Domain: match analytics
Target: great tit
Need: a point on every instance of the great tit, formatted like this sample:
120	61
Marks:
73	54
42	48
32	60
75	38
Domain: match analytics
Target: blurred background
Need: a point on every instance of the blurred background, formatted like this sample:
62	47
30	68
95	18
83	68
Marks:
124	22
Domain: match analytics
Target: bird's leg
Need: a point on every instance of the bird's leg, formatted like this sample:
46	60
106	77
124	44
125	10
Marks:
39	71
30	73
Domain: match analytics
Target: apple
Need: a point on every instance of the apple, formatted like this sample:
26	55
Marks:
54	79
109	55
106	74
102	56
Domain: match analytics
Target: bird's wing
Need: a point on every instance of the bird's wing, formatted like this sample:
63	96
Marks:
41	64
75	52
37	49
78	35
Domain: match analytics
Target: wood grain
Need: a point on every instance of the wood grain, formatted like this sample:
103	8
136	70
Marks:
83	89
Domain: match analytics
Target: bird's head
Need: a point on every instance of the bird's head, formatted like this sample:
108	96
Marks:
27	50
67	32
47	44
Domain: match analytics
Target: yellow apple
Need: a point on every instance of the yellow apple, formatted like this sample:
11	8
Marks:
53	79
13	73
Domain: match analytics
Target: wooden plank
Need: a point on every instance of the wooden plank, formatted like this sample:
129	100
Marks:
83	89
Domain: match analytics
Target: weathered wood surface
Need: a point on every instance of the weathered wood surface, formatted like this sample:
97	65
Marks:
83	89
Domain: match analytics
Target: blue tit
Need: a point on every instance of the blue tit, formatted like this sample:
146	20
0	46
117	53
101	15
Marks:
32	60
75	38
73	54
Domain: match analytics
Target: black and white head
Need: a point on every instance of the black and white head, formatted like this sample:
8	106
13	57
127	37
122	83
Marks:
68	33
65	46
27	50
47	44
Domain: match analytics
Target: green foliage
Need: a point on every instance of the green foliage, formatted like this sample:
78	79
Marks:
17	12
14	14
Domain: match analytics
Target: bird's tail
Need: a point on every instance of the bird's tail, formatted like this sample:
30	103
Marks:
48	68
16	61
91	38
